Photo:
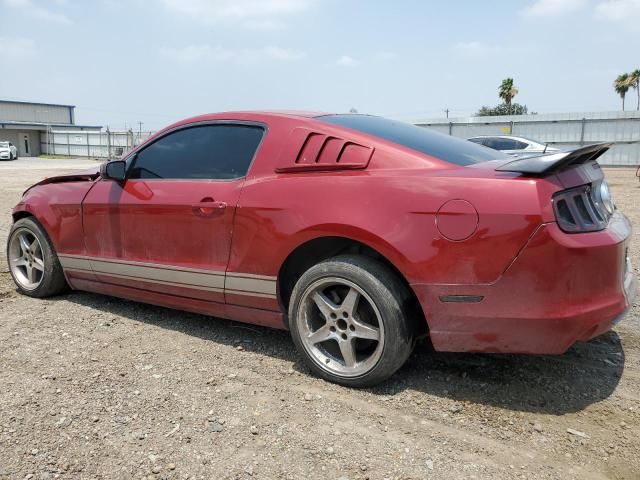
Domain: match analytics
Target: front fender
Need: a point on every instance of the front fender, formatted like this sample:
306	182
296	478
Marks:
58	208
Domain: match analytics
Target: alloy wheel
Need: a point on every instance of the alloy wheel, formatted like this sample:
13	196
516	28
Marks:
340	327
26	259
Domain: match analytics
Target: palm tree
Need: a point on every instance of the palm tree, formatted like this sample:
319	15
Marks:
634	82
621	86
507	91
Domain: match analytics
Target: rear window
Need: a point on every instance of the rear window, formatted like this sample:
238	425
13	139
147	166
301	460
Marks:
447	148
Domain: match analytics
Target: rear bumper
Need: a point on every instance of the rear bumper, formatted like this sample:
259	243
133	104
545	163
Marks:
561	288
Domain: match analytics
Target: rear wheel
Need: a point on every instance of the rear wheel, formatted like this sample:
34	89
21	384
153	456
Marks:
33	264
348	321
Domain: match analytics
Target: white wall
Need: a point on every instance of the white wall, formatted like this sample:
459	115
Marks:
562	130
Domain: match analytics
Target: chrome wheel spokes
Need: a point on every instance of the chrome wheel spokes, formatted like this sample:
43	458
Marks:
341	327
26	259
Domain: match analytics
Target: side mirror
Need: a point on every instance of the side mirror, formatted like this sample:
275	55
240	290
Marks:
115	170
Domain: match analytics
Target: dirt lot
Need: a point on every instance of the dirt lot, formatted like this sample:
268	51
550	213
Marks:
96	387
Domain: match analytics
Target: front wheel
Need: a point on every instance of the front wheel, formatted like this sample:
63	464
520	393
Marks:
33	263
347	319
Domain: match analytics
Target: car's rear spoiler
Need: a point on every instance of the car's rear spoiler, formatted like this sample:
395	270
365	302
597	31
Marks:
555	162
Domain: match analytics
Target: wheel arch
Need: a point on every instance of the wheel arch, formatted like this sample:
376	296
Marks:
322	247
20	214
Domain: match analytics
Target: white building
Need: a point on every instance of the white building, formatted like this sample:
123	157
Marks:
25	124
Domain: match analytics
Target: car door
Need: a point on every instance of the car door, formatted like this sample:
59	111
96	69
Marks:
167	227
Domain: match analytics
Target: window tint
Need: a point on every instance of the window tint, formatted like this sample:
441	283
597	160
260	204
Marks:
202	152
447	148
499	143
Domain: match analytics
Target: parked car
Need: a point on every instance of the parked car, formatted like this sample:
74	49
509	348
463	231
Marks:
357	233
512	145
8	151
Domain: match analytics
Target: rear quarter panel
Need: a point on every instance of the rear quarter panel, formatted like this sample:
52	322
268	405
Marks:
393	212
390	206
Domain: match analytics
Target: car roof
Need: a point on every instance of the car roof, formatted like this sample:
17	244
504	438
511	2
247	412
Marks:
502	136
246	115
264	113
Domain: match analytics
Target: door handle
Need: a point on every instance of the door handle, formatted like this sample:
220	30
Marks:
208	207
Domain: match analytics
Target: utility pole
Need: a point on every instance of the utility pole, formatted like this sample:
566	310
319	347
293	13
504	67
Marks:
140	130
447	112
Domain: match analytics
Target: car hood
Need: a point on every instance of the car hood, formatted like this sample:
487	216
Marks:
88	175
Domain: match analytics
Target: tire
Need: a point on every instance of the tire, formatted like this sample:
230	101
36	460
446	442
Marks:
40	259
358	350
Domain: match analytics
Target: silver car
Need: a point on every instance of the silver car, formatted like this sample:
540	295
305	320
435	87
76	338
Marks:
512	145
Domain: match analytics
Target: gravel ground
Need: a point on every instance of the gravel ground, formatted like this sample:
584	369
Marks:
96	387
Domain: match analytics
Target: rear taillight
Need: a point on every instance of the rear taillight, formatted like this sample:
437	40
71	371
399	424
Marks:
587	208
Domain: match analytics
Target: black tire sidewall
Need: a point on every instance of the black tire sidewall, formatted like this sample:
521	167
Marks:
388	295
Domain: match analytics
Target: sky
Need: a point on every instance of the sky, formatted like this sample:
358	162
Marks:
157	61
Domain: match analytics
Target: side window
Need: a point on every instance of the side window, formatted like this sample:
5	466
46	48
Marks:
199	152
476	140
498	143
519	145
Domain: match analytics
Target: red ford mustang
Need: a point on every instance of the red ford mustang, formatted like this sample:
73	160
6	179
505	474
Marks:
357	233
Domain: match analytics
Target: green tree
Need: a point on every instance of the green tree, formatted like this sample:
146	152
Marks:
507	91
634	82
621	86
503	109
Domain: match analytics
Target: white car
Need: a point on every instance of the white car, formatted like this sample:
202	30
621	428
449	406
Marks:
517	146
8	151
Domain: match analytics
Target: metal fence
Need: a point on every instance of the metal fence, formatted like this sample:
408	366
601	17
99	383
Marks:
562	130
93	144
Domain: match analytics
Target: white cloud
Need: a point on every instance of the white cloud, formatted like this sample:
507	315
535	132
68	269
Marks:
552	8
285	54
623	11
246	56
347	61
254	14
34	9
16	48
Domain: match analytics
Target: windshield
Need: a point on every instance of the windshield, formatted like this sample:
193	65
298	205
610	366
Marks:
4	144
450	149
